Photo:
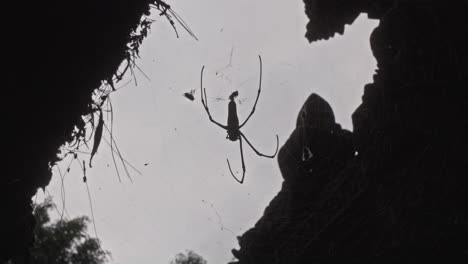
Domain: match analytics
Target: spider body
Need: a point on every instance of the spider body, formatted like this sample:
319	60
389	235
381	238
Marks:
233	132
233	128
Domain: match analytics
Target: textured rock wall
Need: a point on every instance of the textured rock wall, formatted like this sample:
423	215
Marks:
56	53
393	190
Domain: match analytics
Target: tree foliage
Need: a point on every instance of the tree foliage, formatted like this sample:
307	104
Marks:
64	241
189	258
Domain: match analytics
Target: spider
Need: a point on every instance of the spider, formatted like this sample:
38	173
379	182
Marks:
233	127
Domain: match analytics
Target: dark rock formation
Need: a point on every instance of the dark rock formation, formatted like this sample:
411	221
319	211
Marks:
317	150
394	190
57	53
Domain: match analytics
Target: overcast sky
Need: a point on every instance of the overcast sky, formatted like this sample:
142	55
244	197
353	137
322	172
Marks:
186	198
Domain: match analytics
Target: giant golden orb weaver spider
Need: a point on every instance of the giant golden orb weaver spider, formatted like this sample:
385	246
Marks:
233	127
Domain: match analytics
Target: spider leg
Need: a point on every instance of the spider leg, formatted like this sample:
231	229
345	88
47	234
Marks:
258	152
243	164
204	101
258	94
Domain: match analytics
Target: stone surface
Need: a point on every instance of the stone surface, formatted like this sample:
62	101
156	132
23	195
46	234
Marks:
393	190
56	53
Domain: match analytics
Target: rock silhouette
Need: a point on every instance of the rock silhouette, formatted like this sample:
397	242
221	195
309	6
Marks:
393	190
56	54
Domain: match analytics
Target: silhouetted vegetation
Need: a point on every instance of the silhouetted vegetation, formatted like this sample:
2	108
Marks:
79	51
64	241
389	190
189	258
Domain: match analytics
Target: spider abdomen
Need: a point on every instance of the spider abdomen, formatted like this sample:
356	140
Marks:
233	120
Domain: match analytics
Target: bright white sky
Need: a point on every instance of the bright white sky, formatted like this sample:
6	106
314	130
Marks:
186	198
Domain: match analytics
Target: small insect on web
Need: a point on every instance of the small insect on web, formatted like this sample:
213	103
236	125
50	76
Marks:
233	127
190	95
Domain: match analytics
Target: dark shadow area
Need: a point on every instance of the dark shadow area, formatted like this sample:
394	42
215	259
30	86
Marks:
56	54
393	190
